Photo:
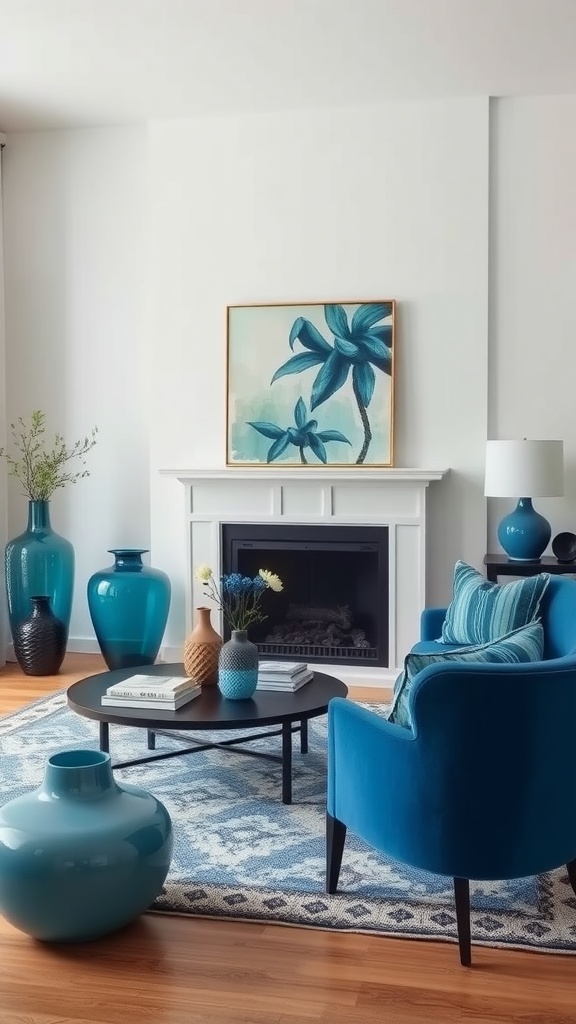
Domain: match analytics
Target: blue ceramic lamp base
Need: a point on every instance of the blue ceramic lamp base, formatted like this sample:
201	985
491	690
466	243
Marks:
524	533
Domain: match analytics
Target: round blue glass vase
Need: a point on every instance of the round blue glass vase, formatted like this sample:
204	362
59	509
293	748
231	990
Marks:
82	855
129	604
524	533
39	561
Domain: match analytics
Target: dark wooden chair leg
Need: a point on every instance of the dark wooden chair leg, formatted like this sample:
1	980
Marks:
571	869
335	839
462	897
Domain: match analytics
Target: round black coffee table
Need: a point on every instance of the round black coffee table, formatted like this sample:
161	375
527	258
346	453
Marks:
211	710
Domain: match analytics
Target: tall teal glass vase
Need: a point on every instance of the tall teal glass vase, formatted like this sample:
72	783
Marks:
39	561
129	604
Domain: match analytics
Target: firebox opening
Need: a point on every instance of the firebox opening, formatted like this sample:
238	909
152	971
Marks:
334	606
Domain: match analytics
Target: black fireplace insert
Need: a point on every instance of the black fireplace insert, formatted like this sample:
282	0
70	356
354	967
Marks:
334	605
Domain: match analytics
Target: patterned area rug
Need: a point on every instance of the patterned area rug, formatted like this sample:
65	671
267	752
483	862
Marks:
240	853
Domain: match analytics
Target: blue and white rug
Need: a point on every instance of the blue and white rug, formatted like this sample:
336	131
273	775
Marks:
240	853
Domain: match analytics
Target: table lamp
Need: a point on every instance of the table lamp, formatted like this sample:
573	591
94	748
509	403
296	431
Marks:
516	469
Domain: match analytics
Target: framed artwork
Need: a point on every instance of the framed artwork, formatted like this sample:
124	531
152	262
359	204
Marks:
310	384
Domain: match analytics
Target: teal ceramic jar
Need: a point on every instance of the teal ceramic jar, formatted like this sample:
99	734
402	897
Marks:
129	604
82	855
238	667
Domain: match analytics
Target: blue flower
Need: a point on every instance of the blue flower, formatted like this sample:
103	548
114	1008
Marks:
239	596
304	435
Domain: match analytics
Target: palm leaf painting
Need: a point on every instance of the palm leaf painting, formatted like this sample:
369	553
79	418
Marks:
311	384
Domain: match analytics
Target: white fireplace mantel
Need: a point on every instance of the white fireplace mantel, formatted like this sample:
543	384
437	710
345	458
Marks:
395	498
353	474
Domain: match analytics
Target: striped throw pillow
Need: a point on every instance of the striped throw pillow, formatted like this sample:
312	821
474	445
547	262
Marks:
524	644
480	611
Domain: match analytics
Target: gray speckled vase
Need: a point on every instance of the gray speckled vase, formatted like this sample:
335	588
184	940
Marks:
238	667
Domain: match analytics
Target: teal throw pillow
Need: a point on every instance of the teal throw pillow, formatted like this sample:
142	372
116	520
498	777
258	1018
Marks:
481	612
524	644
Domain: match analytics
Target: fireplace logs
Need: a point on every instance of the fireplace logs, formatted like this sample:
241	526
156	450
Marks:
324	627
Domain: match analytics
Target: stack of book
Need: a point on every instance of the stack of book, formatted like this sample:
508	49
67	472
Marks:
163	693
283	675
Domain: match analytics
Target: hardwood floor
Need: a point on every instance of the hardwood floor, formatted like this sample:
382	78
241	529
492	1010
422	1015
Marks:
173	970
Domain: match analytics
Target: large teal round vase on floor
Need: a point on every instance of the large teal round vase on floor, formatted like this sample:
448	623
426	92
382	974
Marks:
82	855
129	604
39	561
238	667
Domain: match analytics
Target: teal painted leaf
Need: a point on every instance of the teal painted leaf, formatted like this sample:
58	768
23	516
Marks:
346	348
309	336
278	447
372	347
337	321
384	363
297	363
383	333
331	377
332	435
300	413
317	447
370	313
268	429
364	379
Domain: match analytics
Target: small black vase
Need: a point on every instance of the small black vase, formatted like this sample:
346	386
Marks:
40	640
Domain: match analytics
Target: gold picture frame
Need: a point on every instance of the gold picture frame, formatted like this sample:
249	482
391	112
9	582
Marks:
310	384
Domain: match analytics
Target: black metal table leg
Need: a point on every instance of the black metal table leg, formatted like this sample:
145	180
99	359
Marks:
104	730
286	762
304	736
151	738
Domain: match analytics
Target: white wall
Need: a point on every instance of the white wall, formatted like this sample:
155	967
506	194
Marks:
75	242
387	201
533	284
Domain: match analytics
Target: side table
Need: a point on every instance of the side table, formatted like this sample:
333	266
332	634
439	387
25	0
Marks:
501	565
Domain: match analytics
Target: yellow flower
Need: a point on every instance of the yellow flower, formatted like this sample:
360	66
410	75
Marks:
203	573
271	580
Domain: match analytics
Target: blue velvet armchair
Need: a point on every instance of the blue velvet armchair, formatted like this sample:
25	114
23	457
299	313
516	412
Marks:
483	786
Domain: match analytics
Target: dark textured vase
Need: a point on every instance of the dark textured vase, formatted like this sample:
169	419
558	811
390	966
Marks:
40	640
238	667
129	604
39	561
82	855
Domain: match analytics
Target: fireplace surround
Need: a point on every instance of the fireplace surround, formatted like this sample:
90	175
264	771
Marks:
391	502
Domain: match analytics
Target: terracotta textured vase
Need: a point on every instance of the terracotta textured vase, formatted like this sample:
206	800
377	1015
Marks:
201	650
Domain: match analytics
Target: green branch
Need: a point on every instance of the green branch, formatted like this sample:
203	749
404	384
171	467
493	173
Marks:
42	468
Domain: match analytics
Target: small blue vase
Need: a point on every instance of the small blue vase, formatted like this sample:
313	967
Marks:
238	667
81	856
129	604
39	561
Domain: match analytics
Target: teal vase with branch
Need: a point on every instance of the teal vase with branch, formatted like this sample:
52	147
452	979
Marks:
39	562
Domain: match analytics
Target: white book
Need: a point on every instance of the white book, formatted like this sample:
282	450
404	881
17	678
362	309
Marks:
158	687
282	668
149	703
274	677
264	684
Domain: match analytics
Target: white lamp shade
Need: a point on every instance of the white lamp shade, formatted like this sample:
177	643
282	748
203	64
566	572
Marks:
524	469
